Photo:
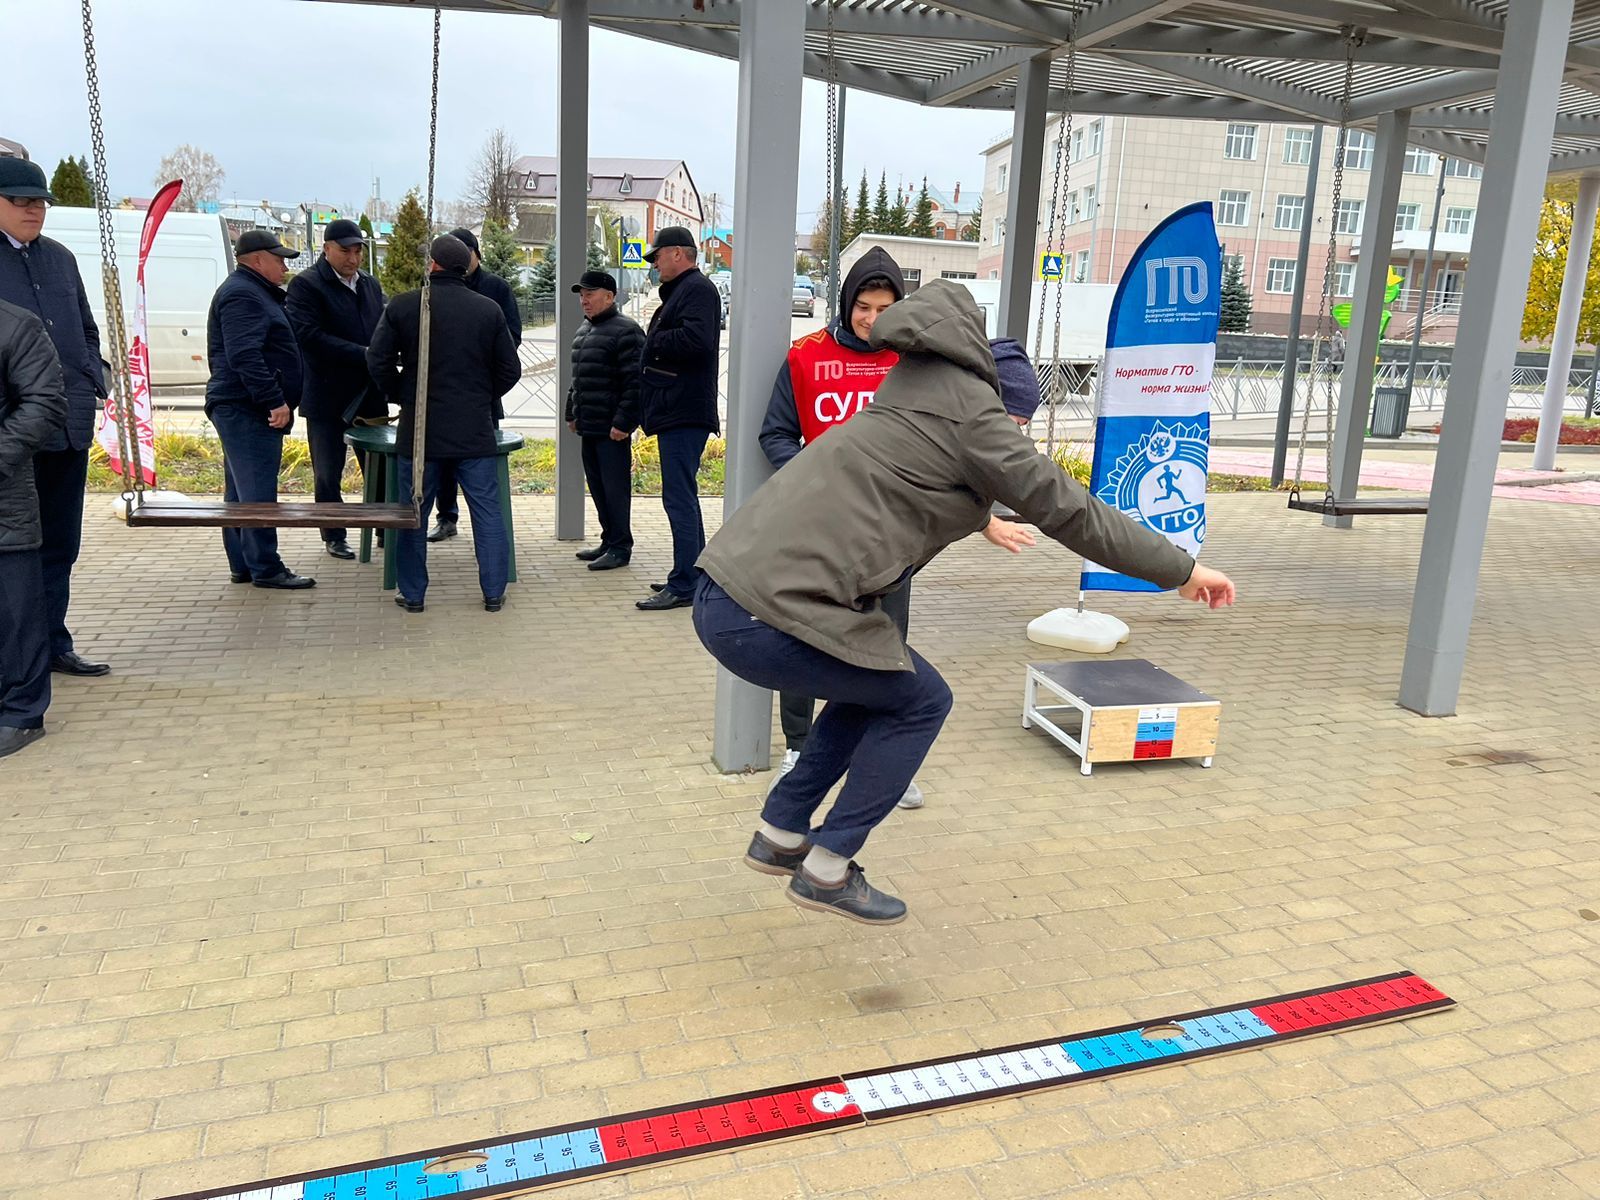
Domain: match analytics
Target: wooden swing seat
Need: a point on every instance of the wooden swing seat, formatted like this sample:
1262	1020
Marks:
1370	506
239	515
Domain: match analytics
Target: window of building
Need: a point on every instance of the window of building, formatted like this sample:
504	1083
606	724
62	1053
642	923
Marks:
994	274
1005	170
958	274
1077	144
1091	203
913	278
1358	146
1240	142
1348	218
1280	275
1447	290
998	236
1081	273
1459	220
940	231
1460	168
1344	279
1419	161
1071	210
1229	261
1233	208
1407	217
1297	147
1290	212
1096	136
625	188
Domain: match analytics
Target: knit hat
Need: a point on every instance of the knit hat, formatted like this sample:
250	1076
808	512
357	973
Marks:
1019	382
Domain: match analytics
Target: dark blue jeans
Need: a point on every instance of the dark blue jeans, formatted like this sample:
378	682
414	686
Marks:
59	477
680	496
480	481
873	732
24	641
252	454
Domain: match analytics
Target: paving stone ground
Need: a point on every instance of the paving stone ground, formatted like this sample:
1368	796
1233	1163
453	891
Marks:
298	884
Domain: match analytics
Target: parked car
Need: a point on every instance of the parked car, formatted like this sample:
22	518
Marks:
805	299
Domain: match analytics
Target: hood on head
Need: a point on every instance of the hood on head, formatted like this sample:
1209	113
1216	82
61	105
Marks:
1019	382
873	263
940	318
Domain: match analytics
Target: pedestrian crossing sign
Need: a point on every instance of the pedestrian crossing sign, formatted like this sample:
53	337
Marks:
633	253
1049	266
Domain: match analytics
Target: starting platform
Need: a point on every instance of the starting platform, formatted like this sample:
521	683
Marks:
1125	710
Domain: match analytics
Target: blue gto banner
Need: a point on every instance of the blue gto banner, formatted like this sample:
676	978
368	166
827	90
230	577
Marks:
1153	432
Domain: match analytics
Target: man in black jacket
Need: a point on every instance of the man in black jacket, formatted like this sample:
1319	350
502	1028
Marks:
485	283
678	401
251	397
334	307
602	409
40	275
471	364
33	409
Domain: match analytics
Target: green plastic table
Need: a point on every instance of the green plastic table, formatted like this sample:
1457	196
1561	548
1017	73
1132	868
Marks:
380	482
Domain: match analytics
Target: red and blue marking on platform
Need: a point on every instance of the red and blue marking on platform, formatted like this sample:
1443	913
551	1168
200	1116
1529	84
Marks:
550	1157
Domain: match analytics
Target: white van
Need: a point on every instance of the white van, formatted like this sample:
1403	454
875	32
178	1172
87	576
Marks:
188	262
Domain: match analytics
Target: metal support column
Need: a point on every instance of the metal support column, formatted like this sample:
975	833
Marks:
1366	318
1022	197
1291	351
1567	312
572	245
1422	295
1531	68
766	180
836	171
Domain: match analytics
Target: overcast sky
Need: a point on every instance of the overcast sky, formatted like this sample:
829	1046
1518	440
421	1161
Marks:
311	101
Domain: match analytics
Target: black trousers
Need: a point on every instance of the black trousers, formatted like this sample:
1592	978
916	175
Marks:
608	467
24	641
796	710
449	498
325	437
59	477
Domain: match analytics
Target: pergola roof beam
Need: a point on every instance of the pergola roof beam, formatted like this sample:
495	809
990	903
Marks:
908	23
1442	89
1220	41
1300	102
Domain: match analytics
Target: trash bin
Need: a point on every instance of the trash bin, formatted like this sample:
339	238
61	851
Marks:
1390	408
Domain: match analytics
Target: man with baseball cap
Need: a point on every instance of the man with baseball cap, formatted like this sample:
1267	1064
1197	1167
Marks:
41	276
485	283
602	409
256	378
334	307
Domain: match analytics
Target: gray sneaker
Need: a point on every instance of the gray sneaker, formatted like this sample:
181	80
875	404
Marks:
772	859
913	797
854	898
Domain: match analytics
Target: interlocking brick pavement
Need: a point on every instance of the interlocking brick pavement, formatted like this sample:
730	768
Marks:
299	884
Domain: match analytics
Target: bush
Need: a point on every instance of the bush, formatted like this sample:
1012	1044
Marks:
1575	431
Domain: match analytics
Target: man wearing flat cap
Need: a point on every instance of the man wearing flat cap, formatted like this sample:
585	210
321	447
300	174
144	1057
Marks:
602	409
471	364
485	283
254	388
334	307
40	275
678	401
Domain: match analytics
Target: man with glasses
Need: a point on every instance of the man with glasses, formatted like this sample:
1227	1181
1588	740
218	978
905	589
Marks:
41	276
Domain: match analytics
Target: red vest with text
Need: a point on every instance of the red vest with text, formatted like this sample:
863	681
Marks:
832	383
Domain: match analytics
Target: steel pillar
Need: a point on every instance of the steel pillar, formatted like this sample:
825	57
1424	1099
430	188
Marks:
572	245
1022	197
1291	350
1567	313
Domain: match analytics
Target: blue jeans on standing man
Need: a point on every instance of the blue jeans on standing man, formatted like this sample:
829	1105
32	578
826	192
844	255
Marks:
681	450
252	455
479	479
876	725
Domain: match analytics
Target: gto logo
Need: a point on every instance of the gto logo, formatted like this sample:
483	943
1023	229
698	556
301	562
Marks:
840	406
1184	272
827	370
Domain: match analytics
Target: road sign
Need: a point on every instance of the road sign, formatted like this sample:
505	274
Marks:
633	253
1049	266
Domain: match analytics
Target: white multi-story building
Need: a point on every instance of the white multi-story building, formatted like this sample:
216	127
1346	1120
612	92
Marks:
648	194
1127	173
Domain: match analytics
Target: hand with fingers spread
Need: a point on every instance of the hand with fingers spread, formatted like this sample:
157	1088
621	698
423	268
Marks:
1008	535
1211	588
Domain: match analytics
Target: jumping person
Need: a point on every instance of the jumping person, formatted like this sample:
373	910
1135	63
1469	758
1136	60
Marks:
791	592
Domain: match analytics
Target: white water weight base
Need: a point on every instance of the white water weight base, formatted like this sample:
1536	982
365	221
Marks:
1085	632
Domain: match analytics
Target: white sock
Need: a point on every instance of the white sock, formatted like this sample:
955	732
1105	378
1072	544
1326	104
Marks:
826	865
782	838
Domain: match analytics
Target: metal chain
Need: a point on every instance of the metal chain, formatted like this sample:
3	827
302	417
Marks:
1353	38
121	378
1062	175
835	175
419	425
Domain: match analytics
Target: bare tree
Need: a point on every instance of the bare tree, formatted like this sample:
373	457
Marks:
489	184
202	176
453	214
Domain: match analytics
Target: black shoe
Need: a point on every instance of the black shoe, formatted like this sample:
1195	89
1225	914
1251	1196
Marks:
71	663
658	587
339	549
772	859
287	582
493	603
12	740
854	898
662	601
589	555
609	561
238	576
442	529
411	606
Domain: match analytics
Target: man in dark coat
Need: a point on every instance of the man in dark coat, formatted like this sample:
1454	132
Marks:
471	364
678	401
251	397
33	410
485	283
334	307
41	276
602	409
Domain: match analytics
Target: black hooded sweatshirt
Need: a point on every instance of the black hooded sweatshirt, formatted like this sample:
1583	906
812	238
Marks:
780	430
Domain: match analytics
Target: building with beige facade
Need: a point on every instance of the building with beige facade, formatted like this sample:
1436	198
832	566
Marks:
646	194
1127	173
